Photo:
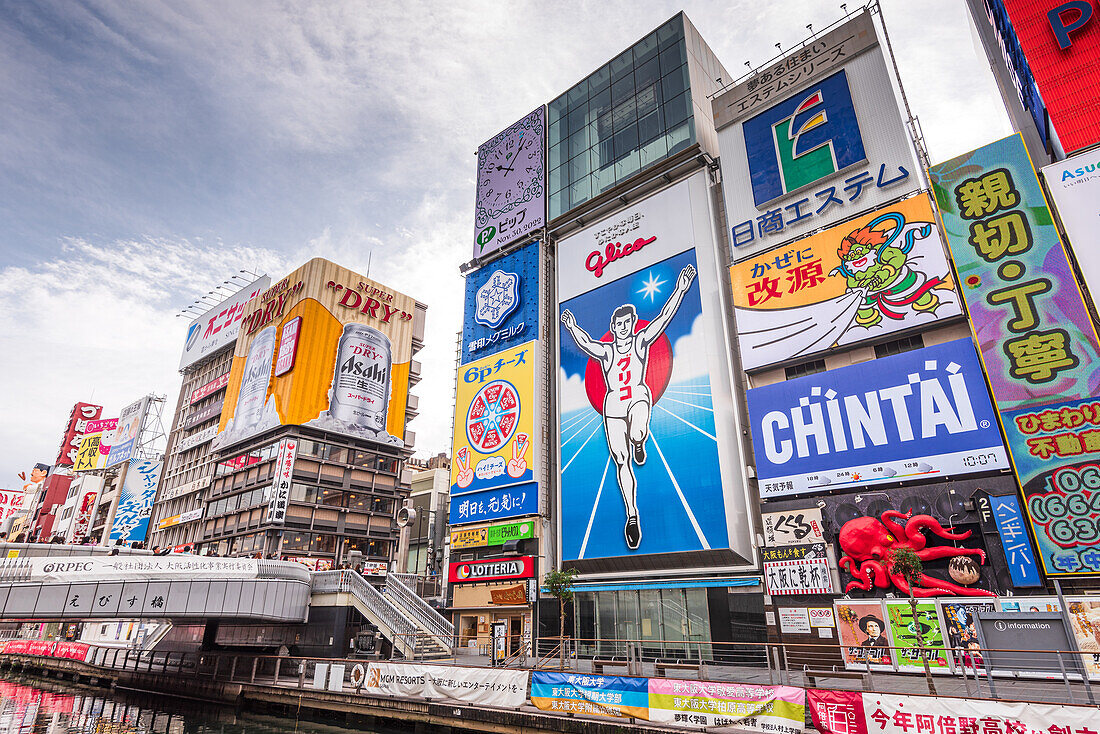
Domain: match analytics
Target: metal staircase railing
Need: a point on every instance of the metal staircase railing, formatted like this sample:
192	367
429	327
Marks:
401	630
431	621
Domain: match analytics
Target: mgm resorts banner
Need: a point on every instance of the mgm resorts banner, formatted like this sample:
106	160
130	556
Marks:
691	704
323	347
481	686
650	462
854	712
919	414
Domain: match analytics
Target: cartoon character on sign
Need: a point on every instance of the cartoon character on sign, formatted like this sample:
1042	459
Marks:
622	357
867	544
518	465
876	262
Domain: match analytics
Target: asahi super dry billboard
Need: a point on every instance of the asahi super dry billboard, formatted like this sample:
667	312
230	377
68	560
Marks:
351	371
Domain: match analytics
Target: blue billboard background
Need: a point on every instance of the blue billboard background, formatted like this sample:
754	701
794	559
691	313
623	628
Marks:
521	324
495	504
135	504
679	498
922	413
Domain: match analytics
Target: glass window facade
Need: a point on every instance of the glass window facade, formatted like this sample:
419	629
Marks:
631	113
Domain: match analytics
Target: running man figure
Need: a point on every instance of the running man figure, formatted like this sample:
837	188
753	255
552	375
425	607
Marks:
627	404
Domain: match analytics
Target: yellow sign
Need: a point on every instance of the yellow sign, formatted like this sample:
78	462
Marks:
468	538
878	273
494	419
88	455
325	347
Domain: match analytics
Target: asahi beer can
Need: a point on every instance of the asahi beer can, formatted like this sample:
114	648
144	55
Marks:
254	382
361	383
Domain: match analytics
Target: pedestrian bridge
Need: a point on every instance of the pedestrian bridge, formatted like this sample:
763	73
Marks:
136	586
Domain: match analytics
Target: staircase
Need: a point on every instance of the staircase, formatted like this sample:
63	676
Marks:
433	629
414	634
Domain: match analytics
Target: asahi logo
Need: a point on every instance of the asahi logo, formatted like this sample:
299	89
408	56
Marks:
360	368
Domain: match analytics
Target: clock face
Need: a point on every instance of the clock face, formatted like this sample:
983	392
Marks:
511	185
508	170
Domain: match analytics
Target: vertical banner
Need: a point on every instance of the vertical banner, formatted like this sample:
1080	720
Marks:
127	432
1037	341
1074	185
1035	335
284	476
135	502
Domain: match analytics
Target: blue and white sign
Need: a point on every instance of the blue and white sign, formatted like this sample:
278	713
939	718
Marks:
135	504
1017	547
495	504
921	414
502	304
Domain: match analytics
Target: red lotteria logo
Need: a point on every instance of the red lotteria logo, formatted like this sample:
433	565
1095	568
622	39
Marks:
464	572
597	261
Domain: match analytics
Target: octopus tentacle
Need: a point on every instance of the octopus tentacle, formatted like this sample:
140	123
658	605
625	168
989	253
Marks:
941	585
923	522
932	554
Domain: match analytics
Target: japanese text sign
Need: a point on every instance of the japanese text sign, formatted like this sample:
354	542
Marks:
820	152
219	326
495	504
135	503
502	303
1031	324
921	413
797	569
494	444
284	477
1074	186
1017	547
879	273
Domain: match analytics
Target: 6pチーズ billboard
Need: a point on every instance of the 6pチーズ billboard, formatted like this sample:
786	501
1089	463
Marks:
494	441
829	144
511	185
647	424
877	274
219	326
917	414
502	304
354	353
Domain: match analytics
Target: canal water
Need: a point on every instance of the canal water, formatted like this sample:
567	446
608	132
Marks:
42	706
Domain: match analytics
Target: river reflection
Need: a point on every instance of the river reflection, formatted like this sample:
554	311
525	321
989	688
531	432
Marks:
55	707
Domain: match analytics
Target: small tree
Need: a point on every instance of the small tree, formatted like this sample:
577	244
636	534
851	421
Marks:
907	564
560	585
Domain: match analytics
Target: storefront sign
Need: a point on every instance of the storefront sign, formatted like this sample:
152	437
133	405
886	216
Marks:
492	535
496	569
793	527
506	689
1017	547
189	516
918	414
197	439
284	477
797	569
186	488
76	569
218	383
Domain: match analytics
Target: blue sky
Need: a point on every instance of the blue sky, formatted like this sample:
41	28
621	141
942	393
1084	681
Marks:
149	150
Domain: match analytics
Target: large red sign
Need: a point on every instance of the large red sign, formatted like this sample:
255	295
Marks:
1062	43
75	430
493	569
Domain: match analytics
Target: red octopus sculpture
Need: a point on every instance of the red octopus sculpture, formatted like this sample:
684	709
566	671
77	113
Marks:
867	544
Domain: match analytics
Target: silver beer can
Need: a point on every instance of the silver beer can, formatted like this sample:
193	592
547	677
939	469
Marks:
255	380
361	381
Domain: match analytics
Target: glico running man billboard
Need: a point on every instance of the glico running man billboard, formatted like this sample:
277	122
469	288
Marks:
648	433
323	347
916	415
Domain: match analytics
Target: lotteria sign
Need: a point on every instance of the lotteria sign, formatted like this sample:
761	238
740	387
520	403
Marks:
920	414
494	569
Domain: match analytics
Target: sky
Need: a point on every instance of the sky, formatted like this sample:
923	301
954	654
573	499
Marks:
150	150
